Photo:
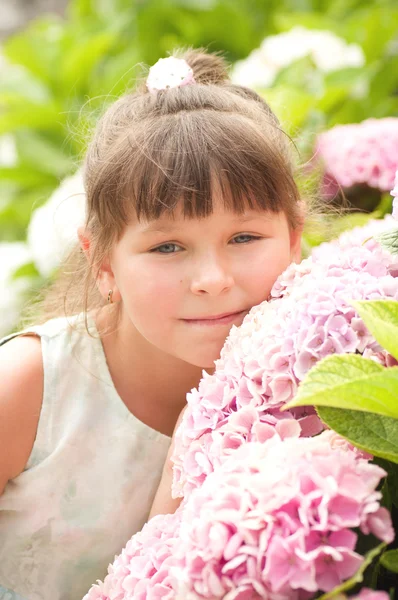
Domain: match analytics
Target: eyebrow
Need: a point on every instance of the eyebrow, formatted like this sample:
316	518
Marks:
160	228
166	228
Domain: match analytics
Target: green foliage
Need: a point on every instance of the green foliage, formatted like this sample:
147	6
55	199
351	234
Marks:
352	382
373	433
389	560
392	481
381	318
389	240
330	226
355	396
28	270
348	95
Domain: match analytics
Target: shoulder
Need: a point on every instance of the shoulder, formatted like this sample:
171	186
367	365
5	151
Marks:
21	394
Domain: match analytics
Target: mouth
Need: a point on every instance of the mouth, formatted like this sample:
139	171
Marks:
222	319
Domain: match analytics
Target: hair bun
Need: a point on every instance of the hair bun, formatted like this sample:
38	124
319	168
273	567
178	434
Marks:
208	68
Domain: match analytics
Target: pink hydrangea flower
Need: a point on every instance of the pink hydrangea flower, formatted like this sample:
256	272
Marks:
143	570
360	153
275	521
367	594
309	316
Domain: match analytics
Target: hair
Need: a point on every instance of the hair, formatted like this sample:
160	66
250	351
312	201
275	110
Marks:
152	152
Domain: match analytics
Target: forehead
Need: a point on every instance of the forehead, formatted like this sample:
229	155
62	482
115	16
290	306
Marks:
178	219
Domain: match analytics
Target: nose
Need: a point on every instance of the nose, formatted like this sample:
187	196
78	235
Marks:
210	276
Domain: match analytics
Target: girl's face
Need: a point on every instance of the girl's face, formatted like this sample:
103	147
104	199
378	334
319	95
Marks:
177	277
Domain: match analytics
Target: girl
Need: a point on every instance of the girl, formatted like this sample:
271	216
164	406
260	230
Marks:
192	213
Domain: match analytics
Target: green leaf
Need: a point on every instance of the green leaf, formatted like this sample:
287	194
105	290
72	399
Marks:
46	156
384	207
15	215
381	318
350	381
27	270
373	433
25	114
348	221
25	176
117	74
389	560
389	240
358	577
333	96
82	58
386	499
303	75
38	47
290	104
79	9
384	79
372	27
18	82
310	20
392	470
391	480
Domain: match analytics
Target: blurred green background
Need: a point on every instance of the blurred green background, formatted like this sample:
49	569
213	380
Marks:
58	75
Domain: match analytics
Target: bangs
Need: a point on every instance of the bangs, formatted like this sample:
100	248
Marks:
197	155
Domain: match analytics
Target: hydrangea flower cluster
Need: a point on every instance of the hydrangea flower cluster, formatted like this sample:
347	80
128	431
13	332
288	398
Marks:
268	510
275	521
328	52
143	570
360	153
309	316
367	594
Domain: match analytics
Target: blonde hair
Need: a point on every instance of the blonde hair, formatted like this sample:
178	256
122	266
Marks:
152	152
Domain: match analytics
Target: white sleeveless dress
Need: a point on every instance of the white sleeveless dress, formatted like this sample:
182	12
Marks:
90	480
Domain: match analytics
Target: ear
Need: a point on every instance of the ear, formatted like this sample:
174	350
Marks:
296	234
104	276
84	240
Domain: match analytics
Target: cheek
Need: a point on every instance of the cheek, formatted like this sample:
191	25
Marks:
150	290
264	268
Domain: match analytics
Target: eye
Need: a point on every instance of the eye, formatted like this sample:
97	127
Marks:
244	238
165	248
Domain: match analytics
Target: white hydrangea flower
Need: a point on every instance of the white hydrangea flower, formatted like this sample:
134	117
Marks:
328	51
255	71
331	53
52	230
12	256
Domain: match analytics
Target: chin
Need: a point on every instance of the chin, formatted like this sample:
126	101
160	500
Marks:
201	355
205	362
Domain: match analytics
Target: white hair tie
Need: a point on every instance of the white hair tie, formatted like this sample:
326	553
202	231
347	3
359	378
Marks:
169	73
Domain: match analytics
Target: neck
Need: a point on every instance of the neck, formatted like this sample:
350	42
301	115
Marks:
151	383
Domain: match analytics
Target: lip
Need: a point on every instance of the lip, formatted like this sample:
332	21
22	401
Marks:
222	319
